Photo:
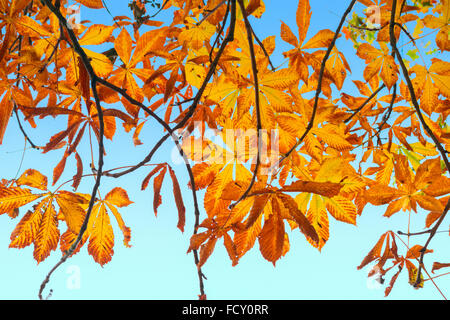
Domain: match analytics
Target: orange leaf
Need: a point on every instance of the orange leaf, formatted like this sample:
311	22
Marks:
438	265
327	189
303	17
47	237
101	241
271	238
27	229
178	200
322	39
11	198
157	183
150	175
197	240
206	250
118	197
380	194
6	108
123	46
33	178
415	252
374	253
304	225
257	208
231	248
93	4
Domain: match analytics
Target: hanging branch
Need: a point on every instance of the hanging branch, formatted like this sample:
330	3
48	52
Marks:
257	103
86	62
94	80
440	148
227	11
148	158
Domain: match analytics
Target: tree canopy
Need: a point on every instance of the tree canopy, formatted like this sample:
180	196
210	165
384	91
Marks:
276	150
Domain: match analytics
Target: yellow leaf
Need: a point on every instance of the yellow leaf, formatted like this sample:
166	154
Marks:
123	46
48	234
96	34
27	229
11	198
318	217
303	18
125	230
341	209
33	178
321	39
71	206
212	200
147	42
101	241
28	26
195	36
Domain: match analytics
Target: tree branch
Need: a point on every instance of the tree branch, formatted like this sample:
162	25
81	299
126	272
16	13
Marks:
415	103
257	103
319	83
86	62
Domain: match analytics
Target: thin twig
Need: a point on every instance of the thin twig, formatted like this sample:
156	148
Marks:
210	12
417	259
263	48
357	110
22	129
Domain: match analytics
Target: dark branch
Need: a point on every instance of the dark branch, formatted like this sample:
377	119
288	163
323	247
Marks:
441	149
319	83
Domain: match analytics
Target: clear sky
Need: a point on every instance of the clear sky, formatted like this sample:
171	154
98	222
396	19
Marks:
157	266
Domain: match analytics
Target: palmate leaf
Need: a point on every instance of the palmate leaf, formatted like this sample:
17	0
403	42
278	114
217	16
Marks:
100	233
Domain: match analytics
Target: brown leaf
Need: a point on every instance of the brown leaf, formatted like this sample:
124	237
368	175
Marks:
178	201
327	189
157	183
271	238
438	265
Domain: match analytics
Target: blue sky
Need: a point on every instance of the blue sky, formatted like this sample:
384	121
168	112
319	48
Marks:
157	266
